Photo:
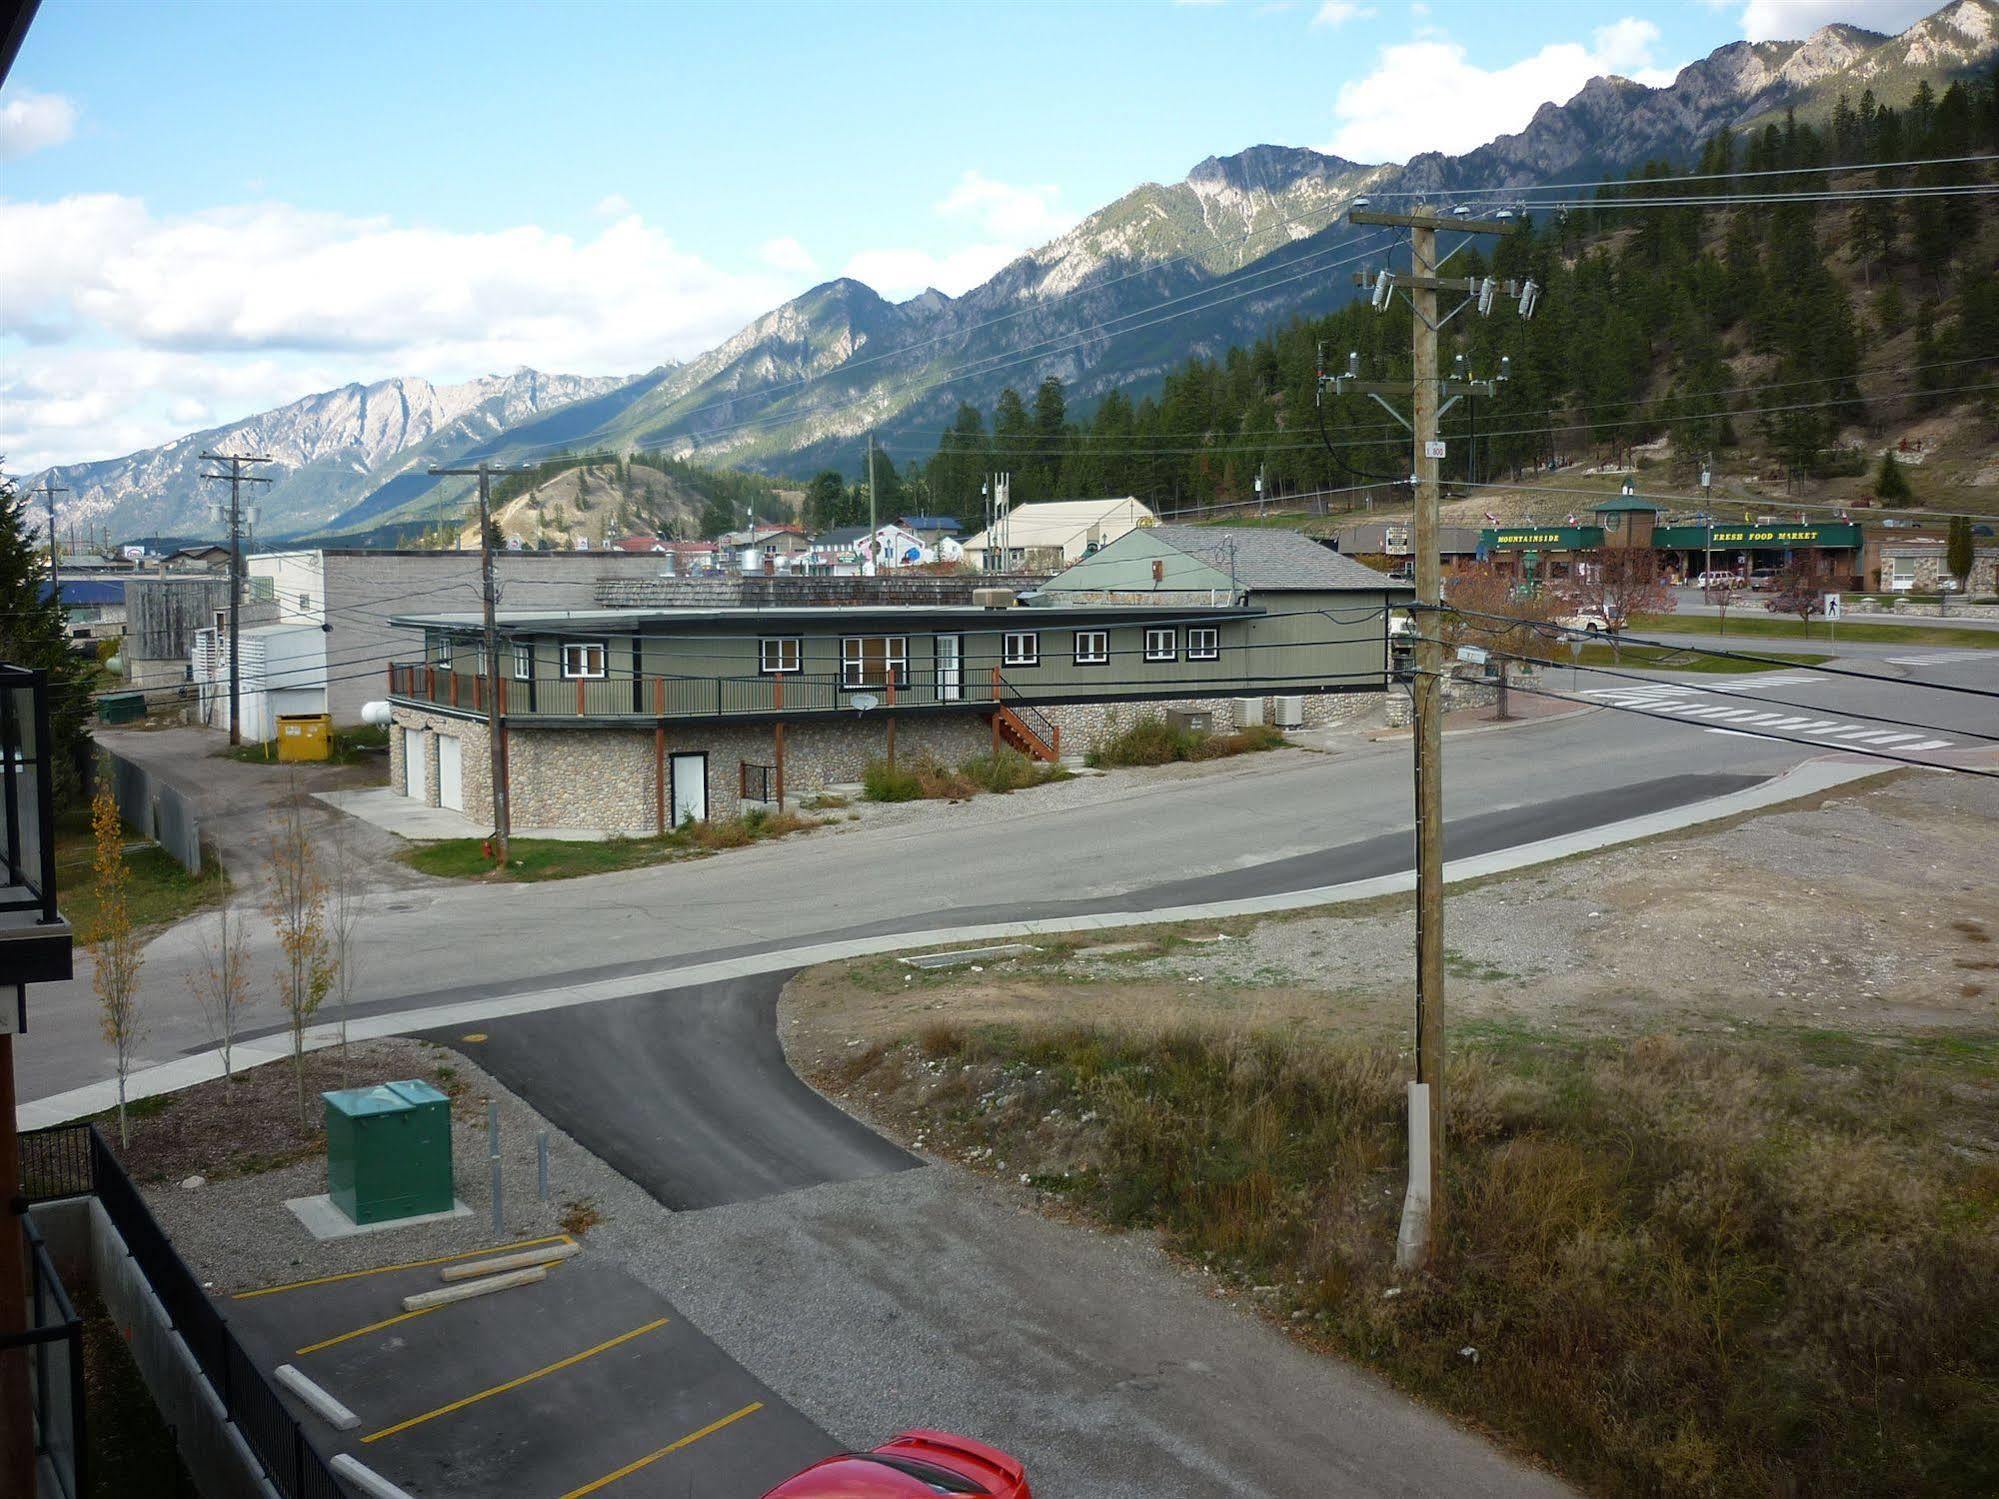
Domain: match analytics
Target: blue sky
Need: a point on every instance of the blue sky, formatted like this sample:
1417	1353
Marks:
209	208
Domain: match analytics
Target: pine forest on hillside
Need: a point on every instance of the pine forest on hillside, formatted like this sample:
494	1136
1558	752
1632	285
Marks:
1770	326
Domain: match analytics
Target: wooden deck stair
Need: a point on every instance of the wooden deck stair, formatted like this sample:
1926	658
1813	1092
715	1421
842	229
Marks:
1011	729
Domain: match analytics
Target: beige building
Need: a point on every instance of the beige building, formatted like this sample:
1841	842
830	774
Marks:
1049	536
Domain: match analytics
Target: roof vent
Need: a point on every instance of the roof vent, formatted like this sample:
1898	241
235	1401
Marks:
992	598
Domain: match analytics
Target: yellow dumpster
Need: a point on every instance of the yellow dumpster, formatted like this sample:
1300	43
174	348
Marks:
304	736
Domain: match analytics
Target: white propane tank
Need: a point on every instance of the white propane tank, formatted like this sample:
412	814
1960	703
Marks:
375	712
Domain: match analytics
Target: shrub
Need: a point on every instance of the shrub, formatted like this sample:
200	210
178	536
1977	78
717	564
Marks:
1009	770
882	782
1153	741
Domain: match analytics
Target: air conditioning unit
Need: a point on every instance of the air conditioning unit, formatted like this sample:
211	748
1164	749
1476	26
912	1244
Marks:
1191	720
1248	712
992	598
1289	712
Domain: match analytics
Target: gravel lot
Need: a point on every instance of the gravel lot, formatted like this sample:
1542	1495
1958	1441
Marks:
1872	909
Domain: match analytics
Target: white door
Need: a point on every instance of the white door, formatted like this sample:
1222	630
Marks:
450	772
690	788
950	668
413	763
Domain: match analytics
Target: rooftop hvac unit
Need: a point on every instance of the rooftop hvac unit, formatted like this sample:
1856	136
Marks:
1289	712
1248	712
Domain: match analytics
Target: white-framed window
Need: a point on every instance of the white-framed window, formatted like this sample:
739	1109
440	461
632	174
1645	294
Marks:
523	661
1093	647
874	661
583	658
777	654
479	655
440	650
1023	648
1162	643
1204	643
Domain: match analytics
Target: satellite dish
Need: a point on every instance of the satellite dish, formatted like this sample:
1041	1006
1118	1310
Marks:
863	701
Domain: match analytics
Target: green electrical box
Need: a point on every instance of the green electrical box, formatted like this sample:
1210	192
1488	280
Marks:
388	1151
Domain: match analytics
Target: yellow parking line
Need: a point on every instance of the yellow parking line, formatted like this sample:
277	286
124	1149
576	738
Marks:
514	1384
670	1448
442	1259
422	1311
378	1326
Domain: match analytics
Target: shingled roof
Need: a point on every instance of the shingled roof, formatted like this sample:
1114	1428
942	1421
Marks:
1271	561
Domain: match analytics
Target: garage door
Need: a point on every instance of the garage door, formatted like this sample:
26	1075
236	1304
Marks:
450	773
413	763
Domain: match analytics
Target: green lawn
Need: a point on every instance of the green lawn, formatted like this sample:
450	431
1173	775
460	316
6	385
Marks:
159	892
532	859
1665	658
1757	624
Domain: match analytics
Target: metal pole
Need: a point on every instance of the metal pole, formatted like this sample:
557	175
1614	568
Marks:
1429	706
48	492
874	524
493	1155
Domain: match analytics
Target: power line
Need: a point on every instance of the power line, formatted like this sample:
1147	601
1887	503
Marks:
1622	182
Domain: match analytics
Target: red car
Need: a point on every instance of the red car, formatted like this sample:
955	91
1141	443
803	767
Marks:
914	1463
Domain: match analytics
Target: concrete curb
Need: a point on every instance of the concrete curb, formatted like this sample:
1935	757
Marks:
1808	779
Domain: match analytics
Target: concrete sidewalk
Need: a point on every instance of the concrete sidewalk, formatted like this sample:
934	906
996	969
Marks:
383	807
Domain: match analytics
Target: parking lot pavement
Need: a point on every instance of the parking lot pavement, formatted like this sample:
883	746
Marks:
585	1383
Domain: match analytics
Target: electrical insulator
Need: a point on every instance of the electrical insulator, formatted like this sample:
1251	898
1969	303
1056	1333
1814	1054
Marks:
1529	295
1487	290
1384	284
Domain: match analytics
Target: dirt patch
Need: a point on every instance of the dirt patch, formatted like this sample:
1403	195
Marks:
1868	909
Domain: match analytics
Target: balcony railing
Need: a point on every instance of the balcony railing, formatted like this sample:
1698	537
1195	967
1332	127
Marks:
27	788
654	697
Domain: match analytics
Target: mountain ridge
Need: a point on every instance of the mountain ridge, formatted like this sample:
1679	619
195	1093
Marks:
1227	251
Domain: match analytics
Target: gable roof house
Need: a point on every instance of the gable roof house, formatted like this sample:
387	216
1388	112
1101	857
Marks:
1051	534
635	719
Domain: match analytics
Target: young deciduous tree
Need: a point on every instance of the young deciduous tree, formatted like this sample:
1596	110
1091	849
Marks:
221	984
1718	596
296	904
1485	611
114	944
1800	589
347	905
1620	583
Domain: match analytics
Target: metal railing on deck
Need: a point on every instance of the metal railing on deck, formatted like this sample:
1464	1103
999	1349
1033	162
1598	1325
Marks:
72	1161
53	1346
27	794
656	696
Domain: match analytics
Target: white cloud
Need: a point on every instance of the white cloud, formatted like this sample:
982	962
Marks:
613	206
34	122
1428	96
1793	20
786	254
1023	215
1339	12
112	313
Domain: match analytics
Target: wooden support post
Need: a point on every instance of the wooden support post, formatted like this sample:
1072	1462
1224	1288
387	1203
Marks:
777	734
996	740
659	776
891	720
579	697
454	686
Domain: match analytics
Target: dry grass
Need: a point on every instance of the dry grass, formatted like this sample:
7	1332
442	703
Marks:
579	1216
1770	1267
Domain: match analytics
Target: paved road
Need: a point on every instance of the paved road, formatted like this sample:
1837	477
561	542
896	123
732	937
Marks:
1306	820
692	1101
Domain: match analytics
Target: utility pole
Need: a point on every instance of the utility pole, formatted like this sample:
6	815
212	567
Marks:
1422	1208
237	479
496	724
48	492
874	525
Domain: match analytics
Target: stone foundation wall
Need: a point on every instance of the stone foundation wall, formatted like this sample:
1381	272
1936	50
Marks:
603	779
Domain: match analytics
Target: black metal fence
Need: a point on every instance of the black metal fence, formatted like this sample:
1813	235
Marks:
758	782
73	1160
53	1347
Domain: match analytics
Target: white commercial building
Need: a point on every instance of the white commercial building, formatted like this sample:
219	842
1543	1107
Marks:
1052	534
